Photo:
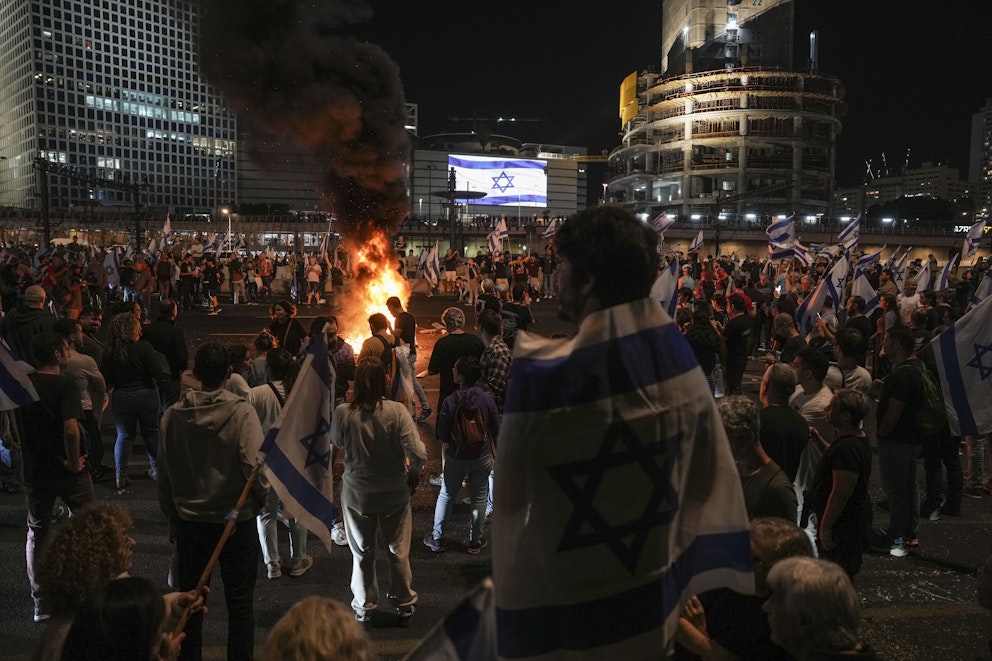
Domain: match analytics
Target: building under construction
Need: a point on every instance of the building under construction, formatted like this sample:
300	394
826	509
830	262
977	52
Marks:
731	129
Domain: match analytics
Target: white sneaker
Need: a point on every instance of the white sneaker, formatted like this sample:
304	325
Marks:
274	571
339	537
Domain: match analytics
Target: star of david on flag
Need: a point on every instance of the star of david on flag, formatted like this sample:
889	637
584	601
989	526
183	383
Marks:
297	449
503	182
972	240
614	465
697	243
963	355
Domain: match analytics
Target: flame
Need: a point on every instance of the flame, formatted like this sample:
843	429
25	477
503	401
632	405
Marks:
375	277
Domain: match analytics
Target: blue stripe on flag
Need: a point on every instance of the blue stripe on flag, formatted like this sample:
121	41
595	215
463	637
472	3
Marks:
955	382
490	164
541	630
631	362
297	484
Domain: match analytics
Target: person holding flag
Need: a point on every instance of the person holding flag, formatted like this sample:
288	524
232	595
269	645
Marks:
626	394
206	455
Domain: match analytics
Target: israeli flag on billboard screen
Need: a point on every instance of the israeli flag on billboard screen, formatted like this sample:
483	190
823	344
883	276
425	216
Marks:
505	181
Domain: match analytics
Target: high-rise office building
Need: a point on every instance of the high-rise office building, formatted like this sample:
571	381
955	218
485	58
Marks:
731	127
109	89
980	161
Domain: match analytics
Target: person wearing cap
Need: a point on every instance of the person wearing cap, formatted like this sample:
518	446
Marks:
25	321
456	344
686	281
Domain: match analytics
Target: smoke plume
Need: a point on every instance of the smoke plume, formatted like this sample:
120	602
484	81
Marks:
284	66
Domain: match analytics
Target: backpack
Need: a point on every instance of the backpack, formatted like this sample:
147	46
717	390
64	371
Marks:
468	431
932	416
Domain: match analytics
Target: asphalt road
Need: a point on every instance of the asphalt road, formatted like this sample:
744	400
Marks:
920	607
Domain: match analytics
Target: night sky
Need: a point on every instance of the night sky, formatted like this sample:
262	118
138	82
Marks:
915	70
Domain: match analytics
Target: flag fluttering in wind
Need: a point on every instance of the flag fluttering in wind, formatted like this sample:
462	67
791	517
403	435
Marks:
892	258
552	228
899	271
493	242
945	274
972	240
836	280
432	266
963	354
851	234
782	231
166	229
697	243
801	254
112	265
863	288
811	306
601	404
501	231
982	290
16	388
662	222
297	450
868	259
665	287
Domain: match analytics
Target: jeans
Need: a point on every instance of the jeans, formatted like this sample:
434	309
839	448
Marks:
942	449
195	542
455	470
897	467
268	532
76	491
396	528
133	408
549	284
733	372
168	394
417	388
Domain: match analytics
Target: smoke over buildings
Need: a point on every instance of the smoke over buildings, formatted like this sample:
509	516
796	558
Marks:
288	67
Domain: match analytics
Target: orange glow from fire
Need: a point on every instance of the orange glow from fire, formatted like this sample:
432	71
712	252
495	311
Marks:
375	276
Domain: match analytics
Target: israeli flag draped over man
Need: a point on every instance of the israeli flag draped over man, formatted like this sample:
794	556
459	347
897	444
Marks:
964	365
621	403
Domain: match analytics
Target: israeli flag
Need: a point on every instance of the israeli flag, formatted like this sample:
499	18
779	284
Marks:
509	181
665	287
297	450
467	632
868	259
945	274
552	228
501	231
167	228
983	290
433	266
836	280
972	240
863	288
697	243
622	402
782	231
922	277
892	258
802	255
899	271
16	388
811	306
493	242
112	265
963	354
850	235
662	222
781	251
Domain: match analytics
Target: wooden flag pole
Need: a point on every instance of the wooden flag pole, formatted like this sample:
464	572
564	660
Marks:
232	519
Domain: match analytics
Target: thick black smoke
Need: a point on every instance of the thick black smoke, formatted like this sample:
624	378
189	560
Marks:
283	65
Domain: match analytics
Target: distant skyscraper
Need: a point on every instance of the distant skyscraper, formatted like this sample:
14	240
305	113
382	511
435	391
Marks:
980	170
111	90
731	128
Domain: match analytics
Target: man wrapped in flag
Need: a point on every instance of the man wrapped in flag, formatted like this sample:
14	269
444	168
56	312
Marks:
963	354
586	564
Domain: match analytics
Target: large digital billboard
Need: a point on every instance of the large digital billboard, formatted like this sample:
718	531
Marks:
507	182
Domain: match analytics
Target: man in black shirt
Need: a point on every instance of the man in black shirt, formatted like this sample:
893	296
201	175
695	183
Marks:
54	463
737	334
405	328
169	340
516	315
784	431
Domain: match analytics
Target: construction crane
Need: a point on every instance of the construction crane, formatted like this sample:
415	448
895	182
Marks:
484	121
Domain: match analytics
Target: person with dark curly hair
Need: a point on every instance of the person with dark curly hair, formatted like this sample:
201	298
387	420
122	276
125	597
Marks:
90	549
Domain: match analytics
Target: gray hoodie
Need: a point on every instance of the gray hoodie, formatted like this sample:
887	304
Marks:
208	447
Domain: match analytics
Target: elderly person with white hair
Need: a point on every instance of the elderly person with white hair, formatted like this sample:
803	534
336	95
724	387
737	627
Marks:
813	611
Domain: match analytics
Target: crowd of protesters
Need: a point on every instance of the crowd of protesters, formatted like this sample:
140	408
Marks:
803	451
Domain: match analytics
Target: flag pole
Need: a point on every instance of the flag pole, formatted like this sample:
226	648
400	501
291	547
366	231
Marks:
219	548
